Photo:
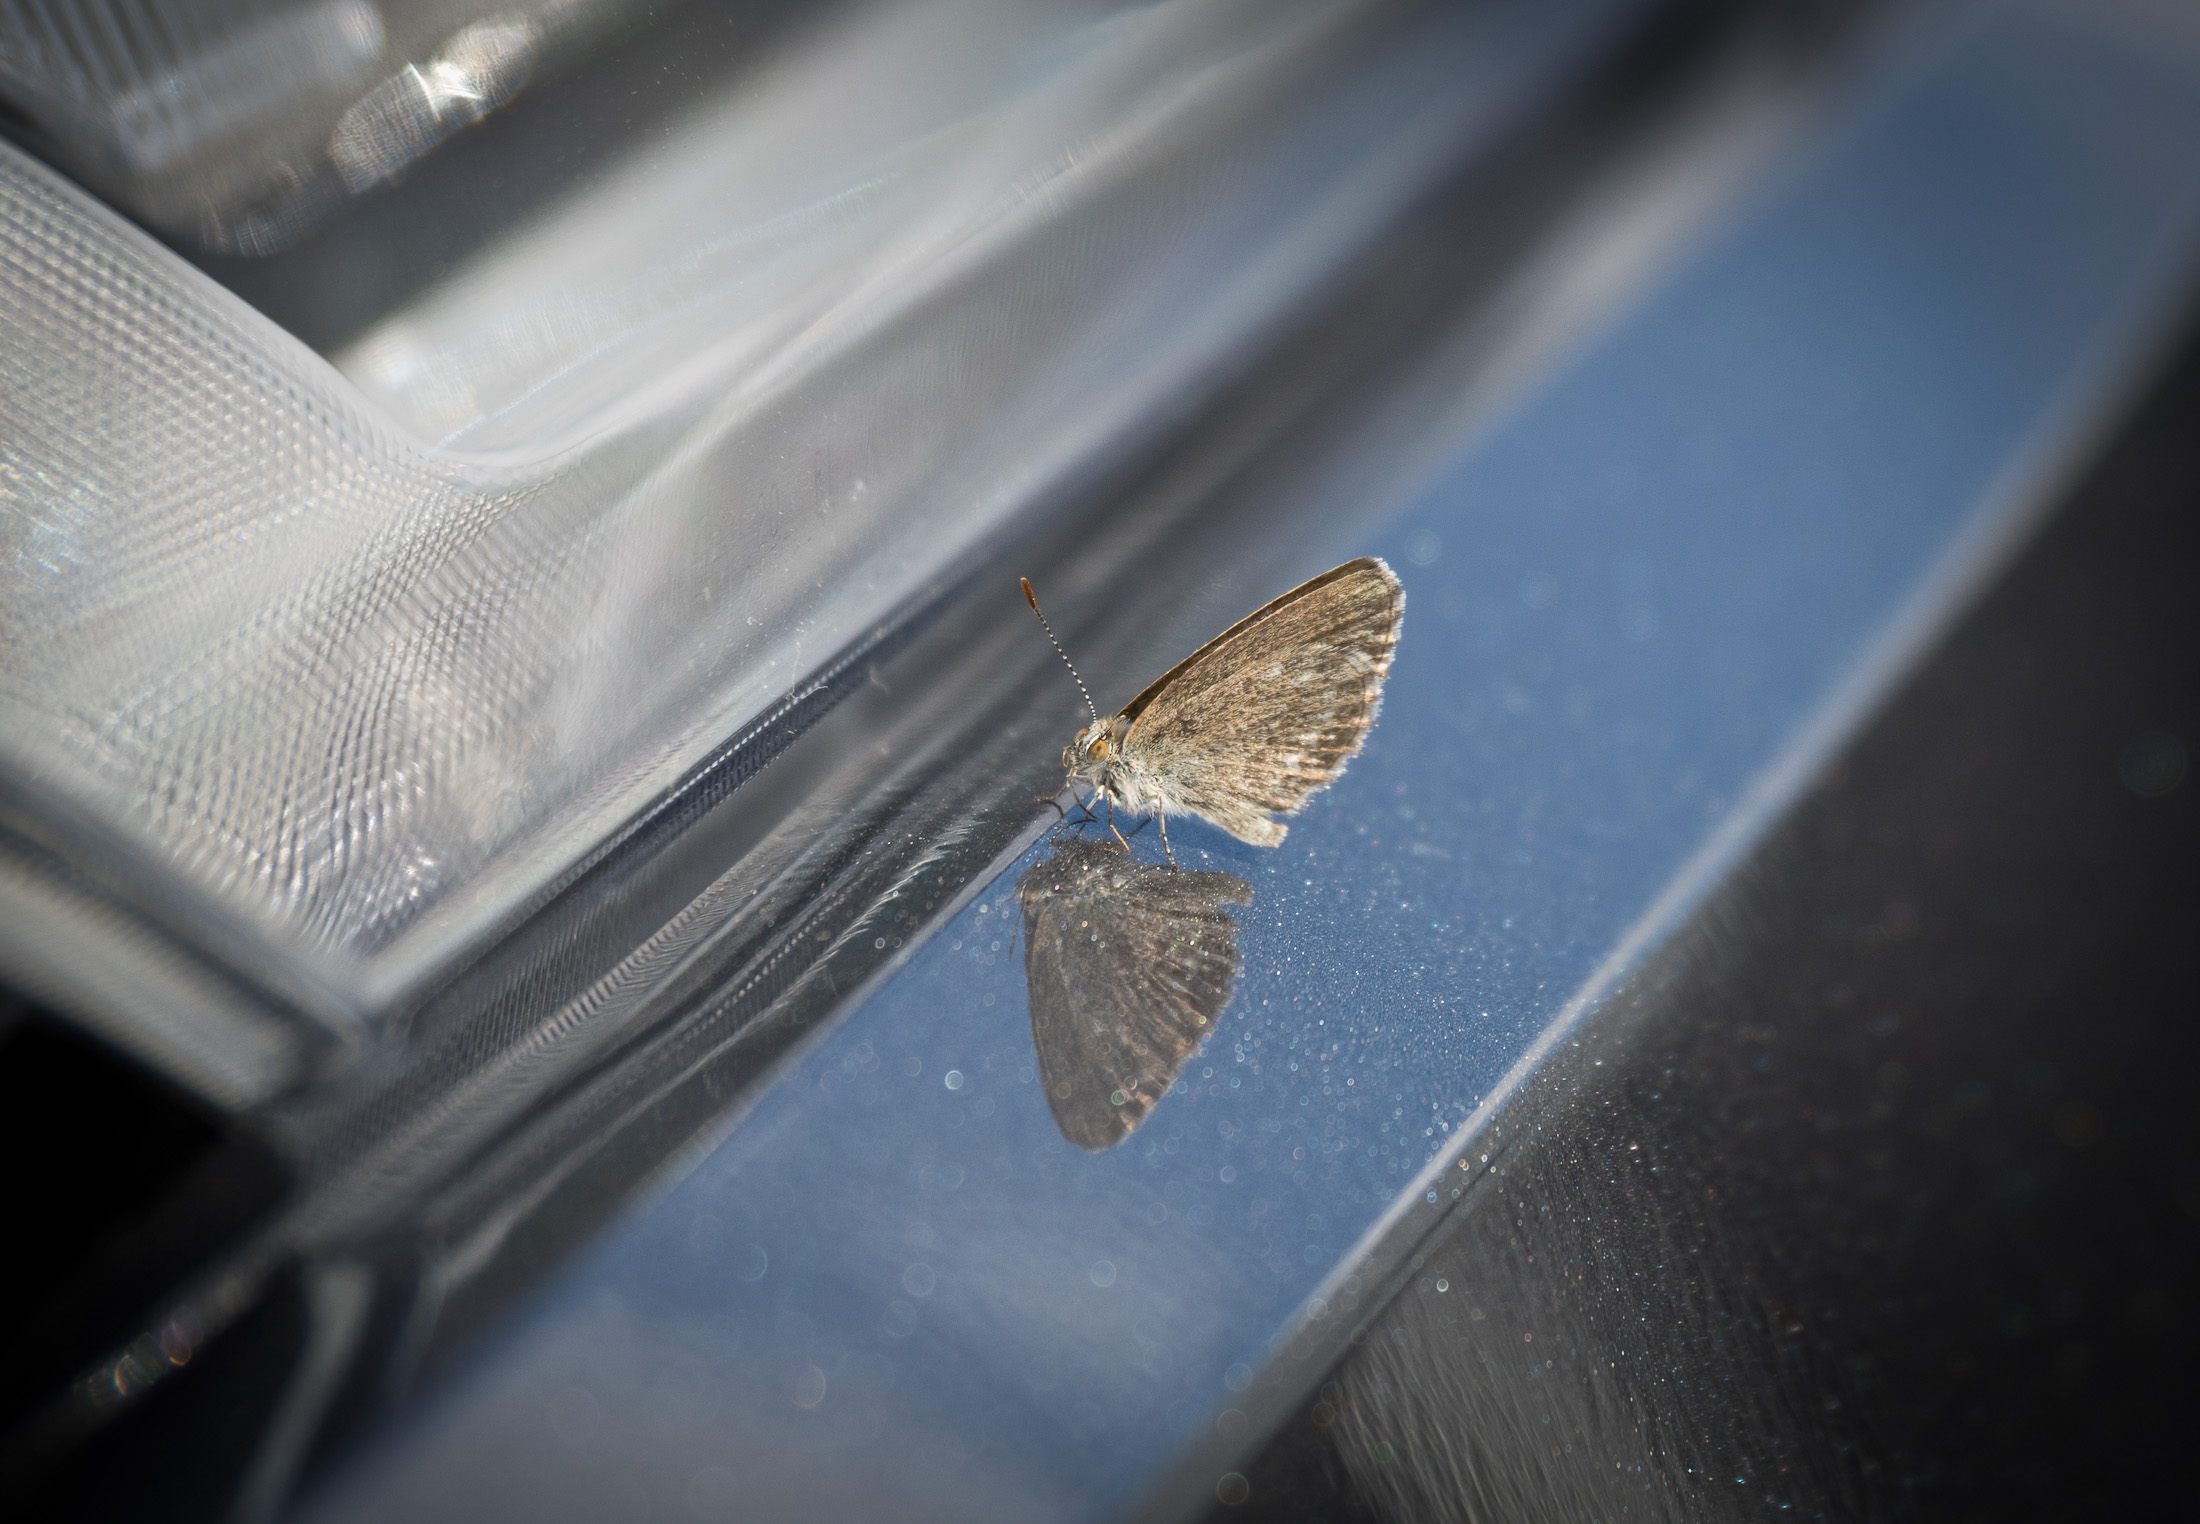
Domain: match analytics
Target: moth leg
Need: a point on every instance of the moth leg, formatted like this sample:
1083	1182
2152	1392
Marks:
1122	843
1165	837
1085	815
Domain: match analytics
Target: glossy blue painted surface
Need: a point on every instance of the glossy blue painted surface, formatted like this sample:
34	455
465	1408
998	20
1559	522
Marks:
893	1286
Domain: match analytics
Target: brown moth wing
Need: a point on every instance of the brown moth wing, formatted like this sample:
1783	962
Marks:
1272	708
1128	966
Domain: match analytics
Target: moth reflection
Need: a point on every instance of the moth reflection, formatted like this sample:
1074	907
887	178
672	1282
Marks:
1128	966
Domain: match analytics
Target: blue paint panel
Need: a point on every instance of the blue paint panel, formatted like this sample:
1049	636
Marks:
893	1280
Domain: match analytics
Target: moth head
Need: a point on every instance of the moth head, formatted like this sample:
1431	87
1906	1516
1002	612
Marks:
1094	747
1091	748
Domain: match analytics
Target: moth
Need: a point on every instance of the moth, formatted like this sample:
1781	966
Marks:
1128	966
1255	721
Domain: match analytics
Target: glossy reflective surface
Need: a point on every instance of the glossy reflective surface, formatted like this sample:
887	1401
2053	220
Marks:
1638	612
1126	967
1887	1150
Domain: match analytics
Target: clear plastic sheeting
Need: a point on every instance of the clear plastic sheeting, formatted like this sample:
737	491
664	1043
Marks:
359	676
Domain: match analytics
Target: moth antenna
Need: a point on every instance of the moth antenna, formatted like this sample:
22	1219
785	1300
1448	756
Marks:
1033	599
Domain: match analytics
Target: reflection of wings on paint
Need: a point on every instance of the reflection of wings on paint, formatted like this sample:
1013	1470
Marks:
1128	967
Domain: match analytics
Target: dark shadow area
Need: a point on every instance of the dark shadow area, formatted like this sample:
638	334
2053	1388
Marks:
1877	1194
117	1186
181	1453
